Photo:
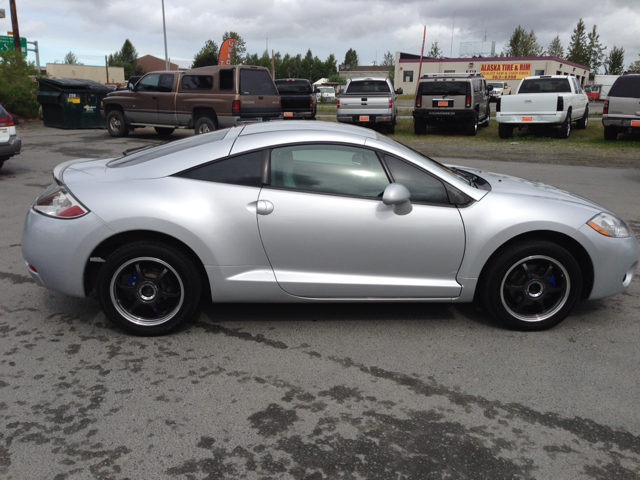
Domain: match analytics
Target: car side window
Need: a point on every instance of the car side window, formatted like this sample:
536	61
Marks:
226	79
166	83
335	169
423	187
149	83
243	169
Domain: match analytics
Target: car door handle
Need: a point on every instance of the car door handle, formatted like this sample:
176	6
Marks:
261	207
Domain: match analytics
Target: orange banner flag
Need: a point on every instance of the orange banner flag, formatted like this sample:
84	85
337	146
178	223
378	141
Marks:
225	51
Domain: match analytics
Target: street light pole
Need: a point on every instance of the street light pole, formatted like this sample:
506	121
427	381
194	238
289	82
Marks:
164	28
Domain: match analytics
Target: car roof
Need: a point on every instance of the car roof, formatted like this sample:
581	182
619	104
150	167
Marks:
305	125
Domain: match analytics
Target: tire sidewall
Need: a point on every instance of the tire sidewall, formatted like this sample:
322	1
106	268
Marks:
185	269
204	121
505	259
120	117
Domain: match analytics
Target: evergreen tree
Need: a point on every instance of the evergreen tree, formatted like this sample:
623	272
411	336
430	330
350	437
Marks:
435	51
614	63
596	52
127	58
578	51
239	49
388	60
523	44
555	48
635	66
71	59
351	58
208	55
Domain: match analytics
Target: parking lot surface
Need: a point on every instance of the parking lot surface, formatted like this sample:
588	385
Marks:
310	391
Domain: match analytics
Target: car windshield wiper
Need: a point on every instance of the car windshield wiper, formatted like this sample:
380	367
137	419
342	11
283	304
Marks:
136	149
468	175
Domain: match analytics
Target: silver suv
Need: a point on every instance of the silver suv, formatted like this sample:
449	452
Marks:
460	98
621	111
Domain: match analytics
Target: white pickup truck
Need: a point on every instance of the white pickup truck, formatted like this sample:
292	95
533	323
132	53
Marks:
369	102
544	100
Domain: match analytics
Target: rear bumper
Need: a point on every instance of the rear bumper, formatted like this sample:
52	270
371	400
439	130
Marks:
442	115
621	122
292	115
366	119
523	119
11	148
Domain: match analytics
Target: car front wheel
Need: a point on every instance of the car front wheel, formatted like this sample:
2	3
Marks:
532	285
149	288
116	125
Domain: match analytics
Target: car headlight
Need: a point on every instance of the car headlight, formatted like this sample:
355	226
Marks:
56	201
609	226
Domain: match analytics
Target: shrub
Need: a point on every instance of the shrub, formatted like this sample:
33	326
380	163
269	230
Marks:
18	87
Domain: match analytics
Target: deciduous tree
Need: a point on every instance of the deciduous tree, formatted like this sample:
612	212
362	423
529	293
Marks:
435	51
17	88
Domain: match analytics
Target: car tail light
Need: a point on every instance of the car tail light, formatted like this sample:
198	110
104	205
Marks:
235	107
418	101
6	121
311	101
605	109
338	103
390	103
467	100
560	105
56	201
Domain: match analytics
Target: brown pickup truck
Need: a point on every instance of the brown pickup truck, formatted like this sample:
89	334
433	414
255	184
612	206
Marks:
205	99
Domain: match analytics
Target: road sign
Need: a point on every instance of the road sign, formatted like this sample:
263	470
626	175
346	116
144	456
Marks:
6	43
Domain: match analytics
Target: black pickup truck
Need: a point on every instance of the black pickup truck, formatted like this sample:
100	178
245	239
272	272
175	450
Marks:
297	97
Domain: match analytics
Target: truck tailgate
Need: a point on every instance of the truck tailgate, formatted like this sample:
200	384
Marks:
364	105
526	104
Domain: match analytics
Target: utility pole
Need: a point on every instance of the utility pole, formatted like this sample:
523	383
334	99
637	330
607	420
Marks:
164	29
14	25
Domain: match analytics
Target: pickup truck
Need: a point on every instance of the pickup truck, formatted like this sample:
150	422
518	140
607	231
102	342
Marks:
297	97
544	100
204	99
369	102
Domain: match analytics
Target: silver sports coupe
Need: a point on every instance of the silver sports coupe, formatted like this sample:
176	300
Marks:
316	212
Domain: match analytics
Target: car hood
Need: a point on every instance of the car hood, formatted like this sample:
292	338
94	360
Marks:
507	184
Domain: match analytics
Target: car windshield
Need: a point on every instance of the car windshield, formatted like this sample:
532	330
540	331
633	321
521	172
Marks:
144	154
443	88
293	86
545	85
256	82
497	85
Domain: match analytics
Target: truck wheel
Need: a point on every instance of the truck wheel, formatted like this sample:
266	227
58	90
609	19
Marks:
505	131
565	128
205	125
610	133
472	126
164	131
391	128
582	123
419	127
116	125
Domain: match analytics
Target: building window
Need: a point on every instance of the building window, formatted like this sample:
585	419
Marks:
449	71
408	76
539	72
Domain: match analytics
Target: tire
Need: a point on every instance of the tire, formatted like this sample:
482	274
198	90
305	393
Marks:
610	133
167	297
582	123
164	131
116	125
565	128
419	128
531	285
505	130
472	126
204	125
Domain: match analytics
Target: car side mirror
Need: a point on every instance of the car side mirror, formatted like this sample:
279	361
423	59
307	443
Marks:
397	195
489	88
316	90
399	91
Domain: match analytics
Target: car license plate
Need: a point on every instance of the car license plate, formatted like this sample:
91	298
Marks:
443	103
364	118
288	114
635	123
527	119
4	130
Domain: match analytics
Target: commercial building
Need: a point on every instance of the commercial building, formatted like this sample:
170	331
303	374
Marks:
154	64
349	71
507	69
86	72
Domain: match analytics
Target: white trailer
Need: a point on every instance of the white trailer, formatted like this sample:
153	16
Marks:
605	81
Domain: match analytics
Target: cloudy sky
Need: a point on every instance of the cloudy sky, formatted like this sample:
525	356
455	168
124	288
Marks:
92	29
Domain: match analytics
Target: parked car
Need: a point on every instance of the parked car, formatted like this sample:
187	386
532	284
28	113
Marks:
297	98
326	94
369	102
454	99
497	90
544	101
204	99
593	92
10	143
316	212
621	111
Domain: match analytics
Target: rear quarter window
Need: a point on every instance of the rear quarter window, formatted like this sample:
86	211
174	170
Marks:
197	82
626	86
256	82
369	86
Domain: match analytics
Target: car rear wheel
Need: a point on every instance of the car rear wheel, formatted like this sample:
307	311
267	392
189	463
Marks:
164	131
116	125
582	123
505	131
610	133
420	128
391	128
565	128
204	125
531	285
149	288
472	126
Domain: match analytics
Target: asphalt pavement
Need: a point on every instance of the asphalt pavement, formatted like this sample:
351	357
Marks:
346	391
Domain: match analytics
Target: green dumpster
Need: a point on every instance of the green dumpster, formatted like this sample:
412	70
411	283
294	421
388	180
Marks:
71	103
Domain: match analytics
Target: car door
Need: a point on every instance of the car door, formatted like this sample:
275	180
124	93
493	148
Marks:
166	100
327	233
145	108
580	100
